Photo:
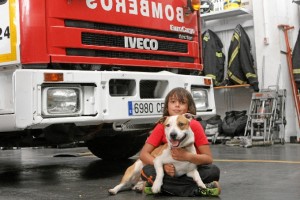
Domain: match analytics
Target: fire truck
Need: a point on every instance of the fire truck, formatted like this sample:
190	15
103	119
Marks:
95	71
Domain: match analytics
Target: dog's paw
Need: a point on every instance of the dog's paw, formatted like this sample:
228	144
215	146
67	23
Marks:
202	185
156	187
199	182
112	192
139	186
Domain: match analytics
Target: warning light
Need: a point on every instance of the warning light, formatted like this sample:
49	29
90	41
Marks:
53	77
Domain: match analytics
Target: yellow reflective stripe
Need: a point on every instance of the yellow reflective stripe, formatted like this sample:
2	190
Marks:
236	79
296	71
219	55
236	36
250	75
233	55
236	50
211	75
205	38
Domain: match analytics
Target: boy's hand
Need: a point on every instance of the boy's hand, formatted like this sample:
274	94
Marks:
169	169
180	154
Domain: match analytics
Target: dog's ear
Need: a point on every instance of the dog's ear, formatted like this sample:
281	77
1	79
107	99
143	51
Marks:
162	120
189	116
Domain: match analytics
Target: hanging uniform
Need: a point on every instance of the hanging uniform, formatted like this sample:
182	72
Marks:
240	62
296	61
213	57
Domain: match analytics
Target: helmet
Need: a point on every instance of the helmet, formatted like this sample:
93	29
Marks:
206	6
231	4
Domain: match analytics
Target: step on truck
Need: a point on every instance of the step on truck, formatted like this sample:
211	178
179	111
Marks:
95	71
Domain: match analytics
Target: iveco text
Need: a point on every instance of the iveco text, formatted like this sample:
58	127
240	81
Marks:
146	8
140	43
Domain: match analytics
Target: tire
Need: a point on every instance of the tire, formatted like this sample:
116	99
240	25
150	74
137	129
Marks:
113	145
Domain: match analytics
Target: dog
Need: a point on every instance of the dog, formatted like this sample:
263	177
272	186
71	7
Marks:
179	135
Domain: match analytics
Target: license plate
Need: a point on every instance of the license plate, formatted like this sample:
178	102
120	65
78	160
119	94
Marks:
145	108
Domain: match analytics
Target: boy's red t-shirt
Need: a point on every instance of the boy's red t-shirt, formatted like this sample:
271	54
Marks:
158	137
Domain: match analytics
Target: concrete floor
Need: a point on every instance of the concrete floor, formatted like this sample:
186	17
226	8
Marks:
258	173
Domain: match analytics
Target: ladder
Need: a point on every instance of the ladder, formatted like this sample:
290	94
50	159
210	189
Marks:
266	116
296	95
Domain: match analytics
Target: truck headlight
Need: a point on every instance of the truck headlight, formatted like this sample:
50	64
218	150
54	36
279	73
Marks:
62	101
200	97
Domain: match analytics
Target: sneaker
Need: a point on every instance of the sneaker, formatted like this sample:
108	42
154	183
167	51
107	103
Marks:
233	142
246	142
212	190
148	189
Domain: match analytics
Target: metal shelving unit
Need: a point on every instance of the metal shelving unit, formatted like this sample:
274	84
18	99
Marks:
224	14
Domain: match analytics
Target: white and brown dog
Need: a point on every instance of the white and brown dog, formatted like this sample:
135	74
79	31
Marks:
179	135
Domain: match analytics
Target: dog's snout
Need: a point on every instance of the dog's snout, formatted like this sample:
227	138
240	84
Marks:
173	135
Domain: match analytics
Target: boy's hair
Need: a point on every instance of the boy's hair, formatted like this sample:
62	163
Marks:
182	95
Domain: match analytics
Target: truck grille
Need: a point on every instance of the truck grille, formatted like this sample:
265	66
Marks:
129	55
118	41
125	29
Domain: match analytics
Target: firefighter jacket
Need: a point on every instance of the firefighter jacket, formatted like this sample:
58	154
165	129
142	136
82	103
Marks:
240	60
296	61
213	57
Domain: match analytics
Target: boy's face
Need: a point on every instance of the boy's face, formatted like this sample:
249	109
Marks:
175	107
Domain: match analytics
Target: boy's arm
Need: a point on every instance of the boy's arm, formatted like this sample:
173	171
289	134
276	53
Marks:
145	154
203	158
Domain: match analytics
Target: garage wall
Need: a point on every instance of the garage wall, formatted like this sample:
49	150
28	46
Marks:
267	43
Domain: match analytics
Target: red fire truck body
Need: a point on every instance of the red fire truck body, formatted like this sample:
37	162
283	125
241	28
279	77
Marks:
95	70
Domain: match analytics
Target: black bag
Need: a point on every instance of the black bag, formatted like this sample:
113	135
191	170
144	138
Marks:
212	126
234	123
241	121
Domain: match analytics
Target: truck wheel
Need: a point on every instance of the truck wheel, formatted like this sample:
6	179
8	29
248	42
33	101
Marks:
114	145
